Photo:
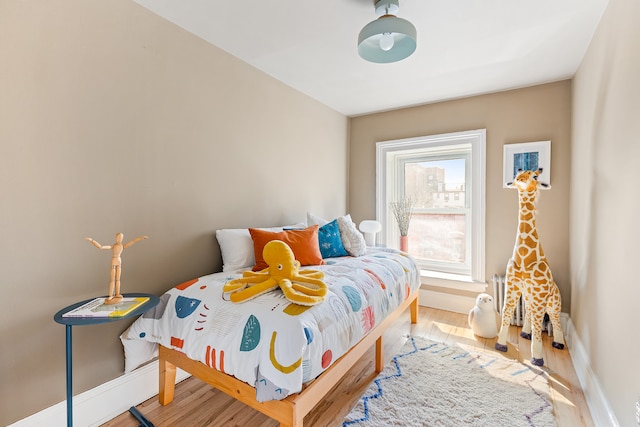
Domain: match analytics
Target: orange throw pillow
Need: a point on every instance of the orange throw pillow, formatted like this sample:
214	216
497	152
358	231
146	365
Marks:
303	243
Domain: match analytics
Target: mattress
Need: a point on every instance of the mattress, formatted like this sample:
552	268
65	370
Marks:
268	342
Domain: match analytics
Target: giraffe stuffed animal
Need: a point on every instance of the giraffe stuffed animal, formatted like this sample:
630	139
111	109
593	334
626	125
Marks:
529	275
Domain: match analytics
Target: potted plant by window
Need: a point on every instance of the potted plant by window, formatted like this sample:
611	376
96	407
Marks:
402	210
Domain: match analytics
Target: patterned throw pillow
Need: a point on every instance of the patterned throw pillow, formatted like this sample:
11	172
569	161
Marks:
352	239
330	241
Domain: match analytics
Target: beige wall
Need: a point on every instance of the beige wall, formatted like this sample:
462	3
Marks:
605	205
532	114
113	119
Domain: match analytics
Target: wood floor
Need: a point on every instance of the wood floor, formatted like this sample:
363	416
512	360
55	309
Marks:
196	404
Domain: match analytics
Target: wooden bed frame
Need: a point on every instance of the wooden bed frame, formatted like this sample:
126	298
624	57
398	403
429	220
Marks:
290	411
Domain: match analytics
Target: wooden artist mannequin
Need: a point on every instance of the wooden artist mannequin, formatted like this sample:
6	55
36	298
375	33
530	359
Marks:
115	296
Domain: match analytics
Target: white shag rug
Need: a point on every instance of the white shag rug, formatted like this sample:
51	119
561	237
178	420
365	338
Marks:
429	383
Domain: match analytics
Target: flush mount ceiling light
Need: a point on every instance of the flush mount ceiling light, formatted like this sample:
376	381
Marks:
388	38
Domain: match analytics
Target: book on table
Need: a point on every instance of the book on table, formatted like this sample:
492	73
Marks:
97	308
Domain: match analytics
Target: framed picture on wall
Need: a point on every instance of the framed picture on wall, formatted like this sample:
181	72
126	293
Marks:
527	156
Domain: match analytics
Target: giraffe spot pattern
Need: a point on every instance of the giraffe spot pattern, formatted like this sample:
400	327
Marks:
528	267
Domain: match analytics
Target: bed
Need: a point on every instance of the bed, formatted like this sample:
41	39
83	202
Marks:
275	356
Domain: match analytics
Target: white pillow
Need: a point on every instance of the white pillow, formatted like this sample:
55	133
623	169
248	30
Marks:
236	247
137	352
352	240
315	220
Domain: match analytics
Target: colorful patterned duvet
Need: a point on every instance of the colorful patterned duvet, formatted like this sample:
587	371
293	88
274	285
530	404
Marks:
268	342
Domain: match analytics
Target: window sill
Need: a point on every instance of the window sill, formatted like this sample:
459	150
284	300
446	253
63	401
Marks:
451	281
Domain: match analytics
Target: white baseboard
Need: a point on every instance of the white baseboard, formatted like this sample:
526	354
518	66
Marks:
103	403
601	412
448	302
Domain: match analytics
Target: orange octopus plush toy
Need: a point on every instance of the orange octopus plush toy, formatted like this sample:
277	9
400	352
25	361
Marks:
301	287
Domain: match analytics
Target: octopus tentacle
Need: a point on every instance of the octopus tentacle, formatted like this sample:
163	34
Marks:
315	274
314	292
312	287
242	282
301	295
257	274
246	291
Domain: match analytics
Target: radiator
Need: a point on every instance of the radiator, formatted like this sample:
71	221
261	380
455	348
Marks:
518	314
498	297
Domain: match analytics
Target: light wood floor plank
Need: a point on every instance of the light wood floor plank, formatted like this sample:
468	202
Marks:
198	405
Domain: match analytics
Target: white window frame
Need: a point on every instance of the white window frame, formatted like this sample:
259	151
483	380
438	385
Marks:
387	155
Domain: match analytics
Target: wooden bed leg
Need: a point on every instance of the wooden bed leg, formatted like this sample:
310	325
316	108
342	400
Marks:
379	355
413	309
294	421
167	383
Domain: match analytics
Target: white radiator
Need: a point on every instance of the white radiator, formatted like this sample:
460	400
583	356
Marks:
498	297
518	314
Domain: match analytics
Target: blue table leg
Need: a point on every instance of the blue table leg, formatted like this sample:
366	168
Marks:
69	380
141	418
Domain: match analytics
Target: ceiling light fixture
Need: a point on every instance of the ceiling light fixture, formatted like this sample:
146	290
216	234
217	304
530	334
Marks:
388	38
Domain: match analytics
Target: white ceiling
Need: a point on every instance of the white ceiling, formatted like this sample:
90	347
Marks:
465	47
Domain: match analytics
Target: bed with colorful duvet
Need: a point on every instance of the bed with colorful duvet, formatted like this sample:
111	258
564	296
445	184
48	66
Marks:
275	355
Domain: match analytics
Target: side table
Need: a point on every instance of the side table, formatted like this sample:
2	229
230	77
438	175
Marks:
83	321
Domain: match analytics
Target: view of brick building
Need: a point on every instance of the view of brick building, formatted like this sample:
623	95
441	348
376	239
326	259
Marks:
436	231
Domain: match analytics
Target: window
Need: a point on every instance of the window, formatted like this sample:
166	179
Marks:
444	176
